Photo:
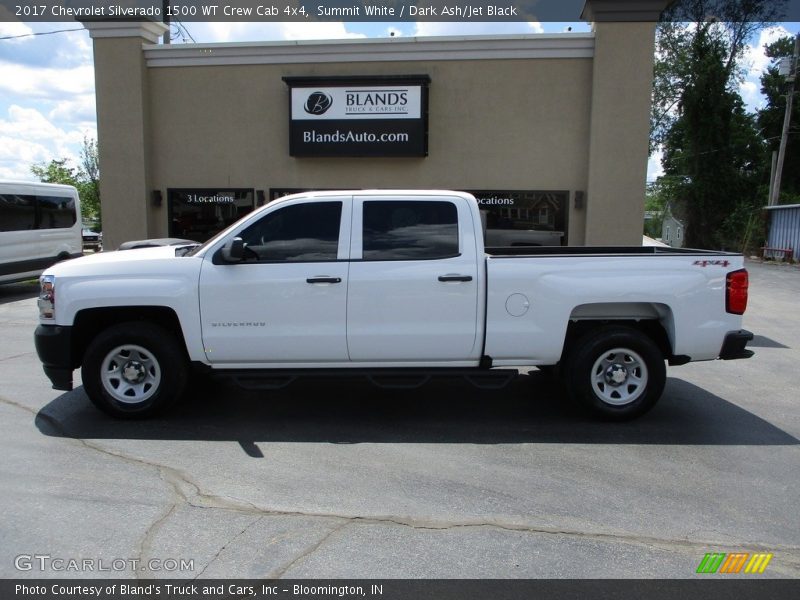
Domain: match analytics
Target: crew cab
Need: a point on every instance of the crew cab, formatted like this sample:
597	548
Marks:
394	285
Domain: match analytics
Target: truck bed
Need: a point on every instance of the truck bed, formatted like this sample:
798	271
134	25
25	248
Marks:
528	251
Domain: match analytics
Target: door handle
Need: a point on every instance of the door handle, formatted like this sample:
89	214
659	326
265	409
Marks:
455	277
324	280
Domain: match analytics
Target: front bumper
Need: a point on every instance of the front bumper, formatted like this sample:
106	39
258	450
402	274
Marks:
54	347
734	345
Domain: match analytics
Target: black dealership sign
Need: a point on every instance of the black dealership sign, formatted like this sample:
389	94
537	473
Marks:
358	116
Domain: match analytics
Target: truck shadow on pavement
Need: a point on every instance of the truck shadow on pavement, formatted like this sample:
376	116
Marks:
529	410
13	292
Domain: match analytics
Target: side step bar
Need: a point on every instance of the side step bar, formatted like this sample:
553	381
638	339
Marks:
392	379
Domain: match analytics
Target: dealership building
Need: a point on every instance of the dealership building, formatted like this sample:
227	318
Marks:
549	131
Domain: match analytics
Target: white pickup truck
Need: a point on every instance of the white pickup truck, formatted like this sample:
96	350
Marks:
394	285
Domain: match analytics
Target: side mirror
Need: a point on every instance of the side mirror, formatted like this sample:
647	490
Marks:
233	251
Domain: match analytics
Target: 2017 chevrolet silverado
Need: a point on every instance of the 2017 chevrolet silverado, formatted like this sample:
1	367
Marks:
395	285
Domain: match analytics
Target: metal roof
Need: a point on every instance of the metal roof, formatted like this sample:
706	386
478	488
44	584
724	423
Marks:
779	206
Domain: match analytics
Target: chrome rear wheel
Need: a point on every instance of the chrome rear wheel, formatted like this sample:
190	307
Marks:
619	376
615	371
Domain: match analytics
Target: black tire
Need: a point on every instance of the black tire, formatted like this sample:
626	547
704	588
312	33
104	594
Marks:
615	372
151	354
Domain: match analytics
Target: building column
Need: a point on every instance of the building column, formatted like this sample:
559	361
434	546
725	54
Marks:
619	131
121	93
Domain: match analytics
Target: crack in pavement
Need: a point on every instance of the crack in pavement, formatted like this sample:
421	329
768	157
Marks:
16	356
149	534
190	493
308	552
228	543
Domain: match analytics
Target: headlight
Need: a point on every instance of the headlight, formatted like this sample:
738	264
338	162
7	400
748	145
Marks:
47	297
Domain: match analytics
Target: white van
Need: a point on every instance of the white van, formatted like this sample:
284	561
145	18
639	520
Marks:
40	225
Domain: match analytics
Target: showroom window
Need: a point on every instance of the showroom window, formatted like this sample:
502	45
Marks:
199	214
523	217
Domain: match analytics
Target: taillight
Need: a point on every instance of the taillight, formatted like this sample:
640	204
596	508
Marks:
736	292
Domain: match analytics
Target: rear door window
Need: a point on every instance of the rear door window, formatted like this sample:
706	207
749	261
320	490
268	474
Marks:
410	230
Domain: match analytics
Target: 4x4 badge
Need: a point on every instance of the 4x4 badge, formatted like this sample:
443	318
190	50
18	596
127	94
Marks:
713	263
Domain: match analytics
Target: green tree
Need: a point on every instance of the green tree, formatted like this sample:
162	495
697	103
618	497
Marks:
711	146
714	159
89	177
653	210
85	177
56	171
770	119
657	197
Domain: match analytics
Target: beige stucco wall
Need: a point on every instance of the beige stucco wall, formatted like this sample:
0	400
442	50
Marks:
122	128
577	123
620	127
511	124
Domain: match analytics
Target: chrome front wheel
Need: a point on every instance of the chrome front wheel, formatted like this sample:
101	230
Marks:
134	369
130	374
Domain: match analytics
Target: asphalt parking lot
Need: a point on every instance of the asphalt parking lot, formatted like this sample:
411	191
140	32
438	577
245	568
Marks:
332	480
